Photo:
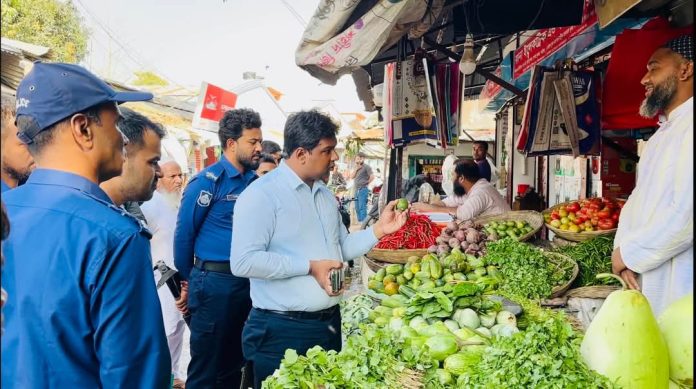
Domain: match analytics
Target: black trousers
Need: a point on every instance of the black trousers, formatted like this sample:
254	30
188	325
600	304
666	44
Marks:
267	335
219	305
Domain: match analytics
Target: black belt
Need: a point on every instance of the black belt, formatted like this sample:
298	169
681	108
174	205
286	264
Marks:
324	314
217	267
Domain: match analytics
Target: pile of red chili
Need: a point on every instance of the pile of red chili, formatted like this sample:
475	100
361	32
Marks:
418	233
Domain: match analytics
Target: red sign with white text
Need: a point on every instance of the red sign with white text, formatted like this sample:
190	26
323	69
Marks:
213	102
547	41
216	102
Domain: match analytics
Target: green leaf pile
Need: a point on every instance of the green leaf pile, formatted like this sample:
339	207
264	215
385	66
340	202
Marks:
545	355
526	271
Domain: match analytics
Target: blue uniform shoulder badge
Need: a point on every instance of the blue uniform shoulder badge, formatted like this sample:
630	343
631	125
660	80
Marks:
204	198
211	176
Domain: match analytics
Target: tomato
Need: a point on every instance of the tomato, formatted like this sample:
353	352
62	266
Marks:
594	221
594	207
615	216
563	212
580	219
555	215
573	207
606	224
621	204
604	213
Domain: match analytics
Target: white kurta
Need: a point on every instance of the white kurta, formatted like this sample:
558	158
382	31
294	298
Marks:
161	220
482	200
655	233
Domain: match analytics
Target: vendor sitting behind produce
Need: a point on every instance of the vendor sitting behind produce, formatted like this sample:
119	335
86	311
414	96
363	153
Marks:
473	196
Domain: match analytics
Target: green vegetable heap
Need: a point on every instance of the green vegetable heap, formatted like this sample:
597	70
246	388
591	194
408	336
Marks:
525	269
545	355
593	257
369	359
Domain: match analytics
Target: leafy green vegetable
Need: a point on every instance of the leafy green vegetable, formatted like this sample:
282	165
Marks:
593	257
355	310
526	272
373	357
545	355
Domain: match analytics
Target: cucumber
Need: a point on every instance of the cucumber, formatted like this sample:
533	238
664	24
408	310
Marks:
407	291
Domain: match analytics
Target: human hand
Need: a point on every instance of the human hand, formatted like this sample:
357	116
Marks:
631	278
319	269
420	207
390	220
617	263
619	268
182	302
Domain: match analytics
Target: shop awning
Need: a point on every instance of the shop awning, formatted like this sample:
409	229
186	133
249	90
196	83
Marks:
361	36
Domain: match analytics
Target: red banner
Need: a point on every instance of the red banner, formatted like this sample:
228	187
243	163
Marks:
216	101
545	42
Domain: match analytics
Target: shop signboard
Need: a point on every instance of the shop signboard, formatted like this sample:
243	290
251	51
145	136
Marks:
544	43
213	102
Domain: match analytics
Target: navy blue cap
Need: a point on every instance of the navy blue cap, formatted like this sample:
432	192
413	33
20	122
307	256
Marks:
52	92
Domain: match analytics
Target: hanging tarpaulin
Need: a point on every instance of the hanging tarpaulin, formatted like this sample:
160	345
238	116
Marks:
329	49
562	113
413	111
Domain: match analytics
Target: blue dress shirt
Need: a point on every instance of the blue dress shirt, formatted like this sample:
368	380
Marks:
280	224
204	223
83	310
4	187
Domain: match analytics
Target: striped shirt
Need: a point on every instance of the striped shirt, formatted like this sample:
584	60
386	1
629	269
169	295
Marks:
655	233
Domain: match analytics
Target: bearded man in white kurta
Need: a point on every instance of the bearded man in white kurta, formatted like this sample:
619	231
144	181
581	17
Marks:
654	244
161	213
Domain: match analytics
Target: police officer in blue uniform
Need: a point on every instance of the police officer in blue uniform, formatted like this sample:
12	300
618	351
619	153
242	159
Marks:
83	311
218	301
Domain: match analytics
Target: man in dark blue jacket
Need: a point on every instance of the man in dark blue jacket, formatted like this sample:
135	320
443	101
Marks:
83	310
218	301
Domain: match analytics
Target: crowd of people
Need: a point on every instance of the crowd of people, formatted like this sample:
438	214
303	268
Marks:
90	205
94	205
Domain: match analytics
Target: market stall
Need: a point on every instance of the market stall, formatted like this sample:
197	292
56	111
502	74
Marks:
474	304
490	302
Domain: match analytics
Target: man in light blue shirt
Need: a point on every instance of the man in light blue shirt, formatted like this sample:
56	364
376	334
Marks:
287	236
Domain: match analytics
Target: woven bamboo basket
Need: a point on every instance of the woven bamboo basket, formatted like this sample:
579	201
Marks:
562	260
533	218
374	265
592	292
575	236
395	256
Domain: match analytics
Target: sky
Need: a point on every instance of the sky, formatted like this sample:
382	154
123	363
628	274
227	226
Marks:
190	41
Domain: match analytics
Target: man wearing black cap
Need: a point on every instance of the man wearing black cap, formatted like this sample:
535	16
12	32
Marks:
654	243
362	176
84	311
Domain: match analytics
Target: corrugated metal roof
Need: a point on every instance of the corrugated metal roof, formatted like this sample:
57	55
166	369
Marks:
11	62
27	49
